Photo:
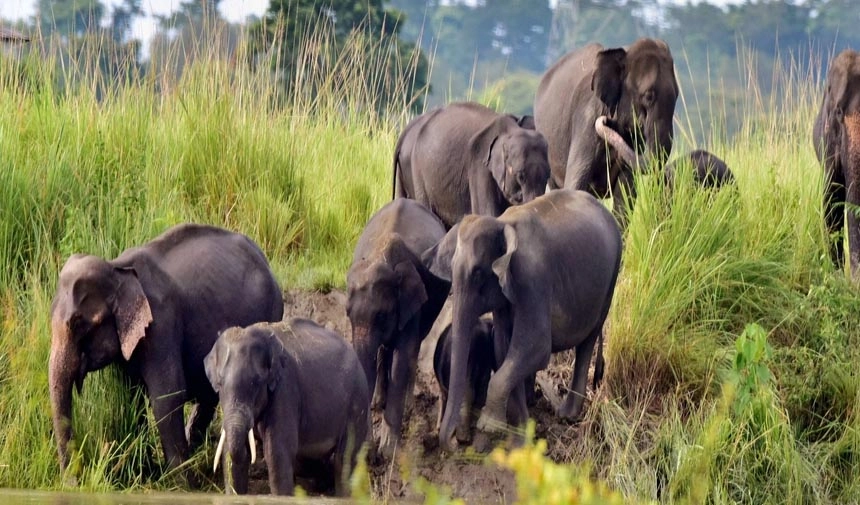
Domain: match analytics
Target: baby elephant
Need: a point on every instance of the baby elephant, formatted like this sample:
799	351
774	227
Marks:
708	169
481	364
301	386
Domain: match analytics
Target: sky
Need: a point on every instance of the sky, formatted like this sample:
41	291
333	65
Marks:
144	28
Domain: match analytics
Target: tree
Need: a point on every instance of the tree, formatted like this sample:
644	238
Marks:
69	17
299	36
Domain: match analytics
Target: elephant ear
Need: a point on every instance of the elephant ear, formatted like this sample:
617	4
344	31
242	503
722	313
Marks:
131	310
213	361
607	81
277	362
438	258
502	265
412	294
483	143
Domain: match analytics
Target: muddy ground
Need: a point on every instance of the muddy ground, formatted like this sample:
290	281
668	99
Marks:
419	454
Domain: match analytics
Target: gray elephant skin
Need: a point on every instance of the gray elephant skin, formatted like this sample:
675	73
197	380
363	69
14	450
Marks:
465	158
392	302
156	311
547	271
480	366
709	170
301	387
836	135
634	87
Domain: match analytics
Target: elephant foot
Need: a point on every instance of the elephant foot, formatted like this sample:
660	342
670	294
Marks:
464	431
491	424
483	443
571	408
387	441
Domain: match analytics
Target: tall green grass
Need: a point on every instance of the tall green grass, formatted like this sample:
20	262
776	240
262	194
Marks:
696	407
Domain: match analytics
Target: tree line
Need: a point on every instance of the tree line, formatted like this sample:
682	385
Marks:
434	51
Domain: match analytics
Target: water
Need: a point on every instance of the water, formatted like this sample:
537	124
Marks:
15	497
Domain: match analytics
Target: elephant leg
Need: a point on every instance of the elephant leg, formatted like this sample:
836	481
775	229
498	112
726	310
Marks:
280	453
167	395
404	362
531	395
571	408
198	421
834	218
443	400
623	195
853	200
529	351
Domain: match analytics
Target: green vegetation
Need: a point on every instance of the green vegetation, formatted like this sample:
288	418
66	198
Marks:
699	404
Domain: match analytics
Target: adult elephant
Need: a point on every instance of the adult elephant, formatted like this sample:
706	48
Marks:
465	158
634	87
836	135
302	388
392	302
156	310
547	272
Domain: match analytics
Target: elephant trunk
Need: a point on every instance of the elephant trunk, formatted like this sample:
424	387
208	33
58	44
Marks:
614	139
366	345
64	368
658	140
463	326
237	427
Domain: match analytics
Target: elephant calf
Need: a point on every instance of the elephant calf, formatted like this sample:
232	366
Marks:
708	169
392	302
547	272
301	386
482	363
467	159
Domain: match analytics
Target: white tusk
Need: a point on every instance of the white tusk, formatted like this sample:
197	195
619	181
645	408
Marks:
218	451
253	446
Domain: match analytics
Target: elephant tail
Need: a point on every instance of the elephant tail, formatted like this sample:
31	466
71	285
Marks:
598	363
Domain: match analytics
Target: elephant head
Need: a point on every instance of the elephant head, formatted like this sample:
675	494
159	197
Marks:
244	367
383	295
638	90
515	156
98	316
476	257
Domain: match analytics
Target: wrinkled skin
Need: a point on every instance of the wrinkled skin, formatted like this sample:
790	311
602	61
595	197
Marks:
481	364
301	387
467	159
392	302
156	311
635	87
708	169
547	271
836	135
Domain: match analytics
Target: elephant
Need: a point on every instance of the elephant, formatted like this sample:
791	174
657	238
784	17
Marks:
836	135
480	366
634	87
708	169
466	158
156	310
392	302
547	271
301	387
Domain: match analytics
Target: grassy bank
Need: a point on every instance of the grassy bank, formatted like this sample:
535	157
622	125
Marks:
689	412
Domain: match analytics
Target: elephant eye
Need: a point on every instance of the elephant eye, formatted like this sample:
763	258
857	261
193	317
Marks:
648	97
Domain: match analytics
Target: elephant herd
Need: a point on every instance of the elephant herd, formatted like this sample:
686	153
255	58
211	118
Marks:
497	214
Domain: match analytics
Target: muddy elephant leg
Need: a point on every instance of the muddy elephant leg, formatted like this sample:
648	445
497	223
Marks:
834	218
404	362
528	351
571	408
